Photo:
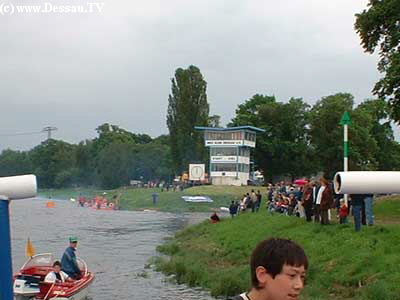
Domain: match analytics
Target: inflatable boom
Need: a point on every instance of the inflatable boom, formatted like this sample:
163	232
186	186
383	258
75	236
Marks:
367	182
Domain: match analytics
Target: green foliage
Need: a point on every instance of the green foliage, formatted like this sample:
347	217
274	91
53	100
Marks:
378	27
113	166
343	264
14	163
66	177
151	161
187	108
110	160
300	140
51	158
283	149
85	163
388	155
109	134
327	135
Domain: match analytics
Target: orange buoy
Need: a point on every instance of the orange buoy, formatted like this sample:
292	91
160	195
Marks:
50	204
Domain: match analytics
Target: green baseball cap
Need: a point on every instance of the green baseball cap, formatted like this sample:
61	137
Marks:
73	239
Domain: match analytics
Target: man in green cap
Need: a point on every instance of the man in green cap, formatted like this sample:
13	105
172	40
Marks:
69	265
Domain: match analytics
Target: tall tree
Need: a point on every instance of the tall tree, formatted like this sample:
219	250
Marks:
114	163
283	148
86	163
51	158
379	27
327	135
388	155
187	108
109	133
151	162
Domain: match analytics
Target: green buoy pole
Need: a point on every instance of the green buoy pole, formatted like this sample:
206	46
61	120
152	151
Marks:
345	121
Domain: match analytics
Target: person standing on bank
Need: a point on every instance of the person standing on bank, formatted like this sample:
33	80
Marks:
307	201
368	201
356	203
315	190
278	269
155	198
343	212
69	264
325	200
233	209
258	200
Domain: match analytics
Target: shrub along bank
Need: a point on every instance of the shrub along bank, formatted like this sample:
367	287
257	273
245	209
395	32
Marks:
343	264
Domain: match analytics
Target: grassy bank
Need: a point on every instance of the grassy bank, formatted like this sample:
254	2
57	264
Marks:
343	264
140	199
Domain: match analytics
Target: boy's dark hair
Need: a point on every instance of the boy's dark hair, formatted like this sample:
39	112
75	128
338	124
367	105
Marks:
56	263
273	254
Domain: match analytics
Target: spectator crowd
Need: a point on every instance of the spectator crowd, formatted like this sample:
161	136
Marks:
313	200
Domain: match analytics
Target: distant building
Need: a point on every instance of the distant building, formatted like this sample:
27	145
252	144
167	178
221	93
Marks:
230	153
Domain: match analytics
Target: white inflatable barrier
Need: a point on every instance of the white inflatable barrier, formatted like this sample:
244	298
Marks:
18	187
11	188
367	182
197	199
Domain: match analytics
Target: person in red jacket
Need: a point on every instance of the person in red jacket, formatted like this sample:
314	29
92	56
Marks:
214	218
343	212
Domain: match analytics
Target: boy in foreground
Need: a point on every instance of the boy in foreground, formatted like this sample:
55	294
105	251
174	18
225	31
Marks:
278	269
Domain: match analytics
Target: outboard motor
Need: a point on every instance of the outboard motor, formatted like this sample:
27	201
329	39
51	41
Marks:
26	287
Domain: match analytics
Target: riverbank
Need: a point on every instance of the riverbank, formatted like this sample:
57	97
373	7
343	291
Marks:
171	201
343	264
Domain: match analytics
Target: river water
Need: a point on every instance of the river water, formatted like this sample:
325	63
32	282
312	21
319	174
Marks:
115	244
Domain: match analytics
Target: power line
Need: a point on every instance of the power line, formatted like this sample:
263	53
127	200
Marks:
22	133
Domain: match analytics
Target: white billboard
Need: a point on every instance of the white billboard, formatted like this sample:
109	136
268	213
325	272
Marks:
197	172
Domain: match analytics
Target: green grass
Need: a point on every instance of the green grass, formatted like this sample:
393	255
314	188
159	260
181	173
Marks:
140	199
343	264
387	209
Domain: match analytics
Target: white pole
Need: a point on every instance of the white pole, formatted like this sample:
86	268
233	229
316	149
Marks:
345	158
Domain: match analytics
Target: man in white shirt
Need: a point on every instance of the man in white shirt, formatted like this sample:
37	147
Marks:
316	202
57	276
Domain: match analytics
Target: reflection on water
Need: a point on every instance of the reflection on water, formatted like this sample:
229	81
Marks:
115	244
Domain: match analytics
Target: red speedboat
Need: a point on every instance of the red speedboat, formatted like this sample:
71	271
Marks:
29	281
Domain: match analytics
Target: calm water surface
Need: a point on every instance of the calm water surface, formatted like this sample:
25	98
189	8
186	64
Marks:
115	244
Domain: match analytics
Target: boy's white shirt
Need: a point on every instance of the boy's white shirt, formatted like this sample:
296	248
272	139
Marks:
51	277
244	296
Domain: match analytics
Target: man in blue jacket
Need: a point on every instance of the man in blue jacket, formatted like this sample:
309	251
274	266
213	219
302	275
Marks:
69	265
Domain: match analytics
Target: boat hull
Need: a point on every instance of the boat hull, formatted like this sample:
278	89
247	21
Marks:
29	282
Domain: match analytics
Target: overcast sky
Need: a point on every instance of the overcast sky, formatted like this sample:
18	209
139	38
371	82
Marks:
76	71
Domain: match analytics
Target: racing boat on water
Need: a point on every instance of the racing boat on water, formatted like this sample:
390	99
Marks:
109	206
29	281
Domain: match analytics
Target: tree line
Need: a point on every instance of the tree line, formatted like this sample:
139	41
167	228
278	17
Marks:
110	160
304	140
299	140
